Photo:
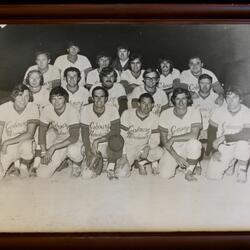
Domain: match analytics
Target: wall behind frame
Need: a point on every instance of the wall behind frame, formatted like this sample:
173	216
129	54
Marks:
225	49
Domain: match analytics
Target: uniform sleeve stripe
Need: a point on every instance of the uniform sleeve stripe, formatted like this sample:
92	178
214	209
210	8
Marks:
154	131
74	125
124	127
84	125
115	121
43	124
33	121
214	124
196	125
163	129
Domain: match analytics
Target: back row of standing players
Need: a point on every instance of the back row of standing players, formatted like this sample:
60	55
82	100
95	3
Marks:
136	118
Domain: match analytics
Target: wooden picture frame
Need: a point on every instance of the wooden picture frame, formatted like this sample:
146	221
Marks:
124	13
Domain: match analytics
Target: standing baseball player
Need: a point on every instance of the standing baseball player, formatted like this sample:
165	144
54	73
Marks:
78	97
18	121
151	79
60	141
103	60
73	59
116	92
139	128
133	76
99	123
51	74
168	75
121	63
227	148
191	77
179	127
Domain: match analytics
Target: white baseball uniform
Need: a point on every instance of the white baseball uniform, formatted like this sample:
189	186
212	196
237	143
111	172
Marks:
41	98
192	81
114	93
166	82
128	76
81	63
58	132
93	77
159	96
79	98
138	133
175	126
51	74
14	125
228	123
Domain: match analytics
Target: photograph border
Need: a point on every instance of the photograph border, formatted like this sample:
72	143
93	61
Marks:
126	14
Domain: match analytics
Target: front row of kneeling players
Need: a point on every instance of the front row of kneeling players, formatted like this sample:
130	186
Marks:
137	139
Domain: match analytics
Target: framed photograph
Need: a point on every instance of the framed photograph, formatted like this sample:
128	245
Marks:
124	125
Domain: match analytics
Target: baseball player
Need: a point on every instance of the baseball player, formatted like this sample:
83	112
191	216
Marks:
61	140
99	122
151	79
121	63
18	121
191	77
103	60
78	97
73	59
179	127
225	121
205	102
117	95
51	74
133	76
168	75
139	128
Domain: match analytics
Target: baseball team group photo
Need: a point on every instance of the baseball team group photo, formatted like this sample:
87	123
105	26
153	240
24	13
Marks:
115	122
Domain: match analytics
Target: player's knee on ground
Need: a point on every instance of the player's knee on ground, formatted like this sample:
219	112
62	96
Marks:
167	165
26	149
123	168
242	151
215	169
193	149
74	152
155	154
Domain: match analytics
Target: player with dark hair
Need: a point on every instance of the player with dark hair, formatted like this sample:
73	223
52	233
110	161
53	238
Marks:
18	121
151	79
60	141
117	95
179	127
121	63
228	138
139	128
51	75
133	76
73	59
100	124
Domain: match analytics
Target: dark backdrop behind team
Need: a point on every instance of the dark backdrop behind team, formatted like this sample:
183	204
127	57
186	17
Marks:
224	49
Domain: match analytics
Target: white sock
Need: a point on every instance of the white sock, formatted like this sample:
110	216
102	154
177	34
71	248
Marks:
17	164
37	162
111	166
191	168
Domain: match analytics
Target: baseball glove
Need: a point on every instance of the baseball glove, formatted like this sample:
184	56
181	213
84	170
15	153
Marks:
95	163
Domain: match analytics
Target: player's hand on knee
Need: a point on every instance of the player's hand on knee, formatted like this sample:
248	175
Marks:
144	152
95	146
182	162
218	141
217	156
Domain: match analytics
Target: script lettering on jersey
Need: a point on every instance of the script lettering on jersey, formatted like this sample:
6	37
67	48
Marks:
61	128
97	130
230	128
138	132
15	128
179	131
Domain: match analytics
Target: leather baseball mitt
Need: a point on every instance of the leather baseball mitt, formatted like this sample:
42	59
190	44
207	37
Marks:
95	163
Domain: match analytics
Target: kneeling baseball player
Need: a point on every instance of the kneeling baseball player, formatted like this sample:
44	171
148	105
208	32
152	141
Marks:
141	136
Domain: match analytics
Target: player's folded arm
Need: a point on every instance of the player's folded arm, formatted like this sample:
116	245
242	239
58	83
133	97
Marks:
243	135
74	132
123	104
85	136
43	128
211	136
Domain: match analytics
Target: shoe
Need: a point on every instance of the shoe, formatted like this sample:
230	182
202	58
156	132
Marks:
24	171
32	172
155	168
198	170
111	175
242	176
14	172
76	171
141	168
189	176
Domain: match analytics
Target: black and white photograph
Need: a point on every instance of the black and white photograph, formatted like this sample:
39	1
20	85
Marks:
124	127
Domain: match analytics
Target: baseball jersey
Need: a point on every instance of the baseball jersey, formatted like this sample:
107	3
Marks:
159	96
79	98
166	82
138	130
99	126
81	63
175	125
60	123
114	93
41	98
93	77
206	106
128	76
192	81
228	123
50	75
14	123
